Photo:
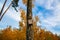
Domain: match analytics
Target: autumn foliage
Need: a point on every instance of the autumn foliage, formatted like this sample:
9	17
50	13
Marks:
20	34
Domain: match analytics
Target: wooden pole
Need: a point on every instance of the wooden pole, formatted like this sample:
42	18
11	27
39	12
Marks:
29	31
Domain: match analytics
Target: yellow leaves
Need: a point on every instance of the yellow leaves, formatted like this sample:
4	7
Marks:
23	16
37	19
20	24
25	2
8	34
22	13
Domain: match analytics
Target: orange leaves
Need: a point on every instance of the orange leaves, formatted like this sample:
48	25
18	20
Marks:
37	19
24	2
8	34
23	14
21	24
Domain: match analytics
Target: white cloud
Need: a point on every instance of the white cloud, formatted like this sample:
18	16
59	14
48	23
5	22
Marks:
41	2
51	21
0	6
48	4
45	3
14	15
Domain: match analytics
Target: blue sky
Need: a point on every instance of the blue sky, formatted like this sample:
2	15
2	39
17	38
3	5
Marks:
48	12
